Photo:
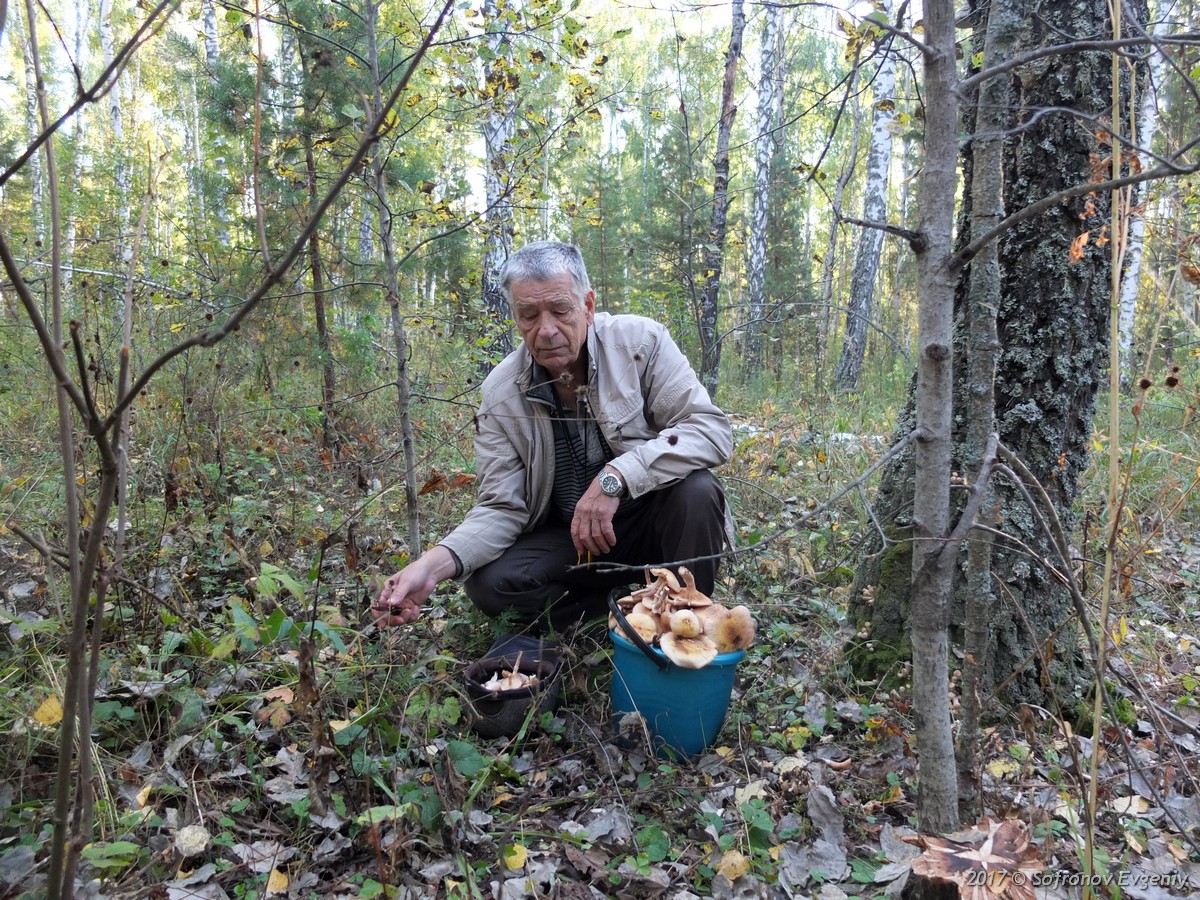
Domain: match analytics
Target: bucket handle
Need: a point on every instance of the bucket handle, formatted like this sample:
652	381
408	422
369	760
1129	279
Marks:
657	658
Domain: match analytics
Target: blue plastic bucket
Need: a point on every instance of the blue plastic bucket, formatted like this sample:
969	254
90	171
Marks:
684	709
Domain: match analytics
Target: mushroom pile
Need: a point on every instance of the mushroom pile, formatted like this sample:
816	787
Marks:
687	626
510	679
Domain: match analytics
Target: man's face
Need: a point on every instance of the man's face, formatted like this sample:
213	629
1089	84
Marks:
552	323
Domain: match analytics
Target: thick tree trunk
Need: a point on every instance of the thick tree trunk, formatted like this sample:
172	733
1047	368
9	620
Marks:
714	250
770	96
870	242
1052	324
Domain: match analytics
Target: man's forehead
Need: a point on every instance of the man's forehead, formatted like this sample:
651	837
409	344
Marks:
536	291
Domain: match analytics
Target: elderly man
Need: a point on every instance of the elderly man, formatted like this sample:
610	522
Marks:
594	441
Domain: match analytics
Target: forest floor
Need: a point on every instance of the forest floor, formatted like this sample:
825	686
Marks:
238	759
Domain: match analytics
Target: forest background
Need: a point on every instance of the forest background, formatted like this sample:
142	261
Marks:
249	294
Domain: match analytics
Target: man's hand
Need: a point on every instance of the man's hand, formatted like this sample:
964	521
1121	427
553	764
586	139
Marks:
591	526
404	593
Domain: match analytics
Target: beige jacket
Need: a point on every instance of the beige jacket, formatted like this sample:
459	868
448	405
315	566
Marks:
650	406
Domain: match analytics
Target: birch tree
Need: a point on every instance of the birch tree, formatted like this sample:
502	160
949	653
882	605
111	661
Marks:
770	100
708	306
498	124
870	241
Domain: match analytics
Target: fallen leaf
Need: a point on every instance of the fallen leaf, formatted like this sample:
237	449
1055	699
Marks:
733	865
1131	805
515	856
192	840
50	712
436	482
999	768
277	882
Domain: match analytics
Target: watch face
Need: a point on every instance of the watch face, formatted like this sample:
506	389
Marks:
610	484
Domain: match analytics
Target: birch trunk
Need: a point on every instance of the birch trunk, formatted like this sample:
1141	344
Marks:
498	218
1147	121
713	255
37	179
770	98
932	569
82	156
116	120
870	241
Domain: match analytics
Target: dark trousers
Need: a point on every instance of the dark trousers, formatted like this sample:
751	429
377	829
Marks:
531	580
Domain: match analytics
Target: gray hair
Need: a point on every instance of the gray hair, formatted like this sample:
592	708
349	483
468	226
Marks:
541	261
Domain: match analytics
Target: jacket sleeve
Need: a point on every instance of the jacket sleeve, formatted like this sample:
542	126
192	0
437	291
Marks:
693	433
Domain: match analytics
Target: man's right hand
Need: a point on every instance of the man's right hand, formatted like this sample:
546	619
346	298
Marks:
404	593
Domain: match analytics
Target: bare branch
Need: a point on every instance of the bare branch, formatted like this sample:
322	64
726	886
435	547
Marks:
915	239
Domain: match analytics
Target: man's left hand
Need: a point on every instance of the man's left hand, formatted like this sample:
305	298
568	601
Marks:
592	524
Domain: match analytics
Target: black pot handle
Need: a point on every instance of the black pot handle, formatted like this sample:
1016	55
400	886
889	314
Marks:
626	631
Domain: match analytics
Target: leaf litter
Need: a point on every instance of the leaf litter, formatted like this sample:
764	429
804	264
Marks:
209	759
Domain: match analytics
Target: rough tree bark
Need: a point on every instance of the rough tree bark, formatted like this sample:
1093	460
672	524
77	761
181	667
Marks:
932	568
870	241
714	250
770	98
1052	325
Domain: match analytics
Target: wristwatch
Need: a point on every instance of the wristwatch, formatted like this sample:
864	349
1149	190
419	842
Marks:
611	485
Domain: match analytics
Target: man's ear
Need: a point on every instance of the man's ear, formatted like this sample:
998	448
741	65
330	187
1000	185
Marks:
589	303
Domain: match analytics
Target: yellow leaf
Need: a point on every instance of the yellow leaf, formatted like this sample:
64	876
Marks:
337	725
176	327
501	798
277	882
999	768
1120	631
265	549
515	856
733	865
143	796
352	62
50	712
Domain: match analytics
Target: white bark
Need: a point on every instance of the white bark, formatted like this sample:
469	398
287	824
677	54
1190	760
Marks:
497	140
83	157
1146	122
870	242
770	99
37	178
116	121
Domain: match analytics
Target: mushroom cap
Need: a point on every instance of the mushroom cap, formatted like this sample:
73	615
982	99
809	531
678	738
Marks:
735	631
686	624
710	616
645	625
667	577
627	602
688	653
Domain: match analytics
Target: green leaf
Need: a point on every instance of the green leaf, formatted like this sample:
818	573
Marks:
467	760
114	855
623	32
350	111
